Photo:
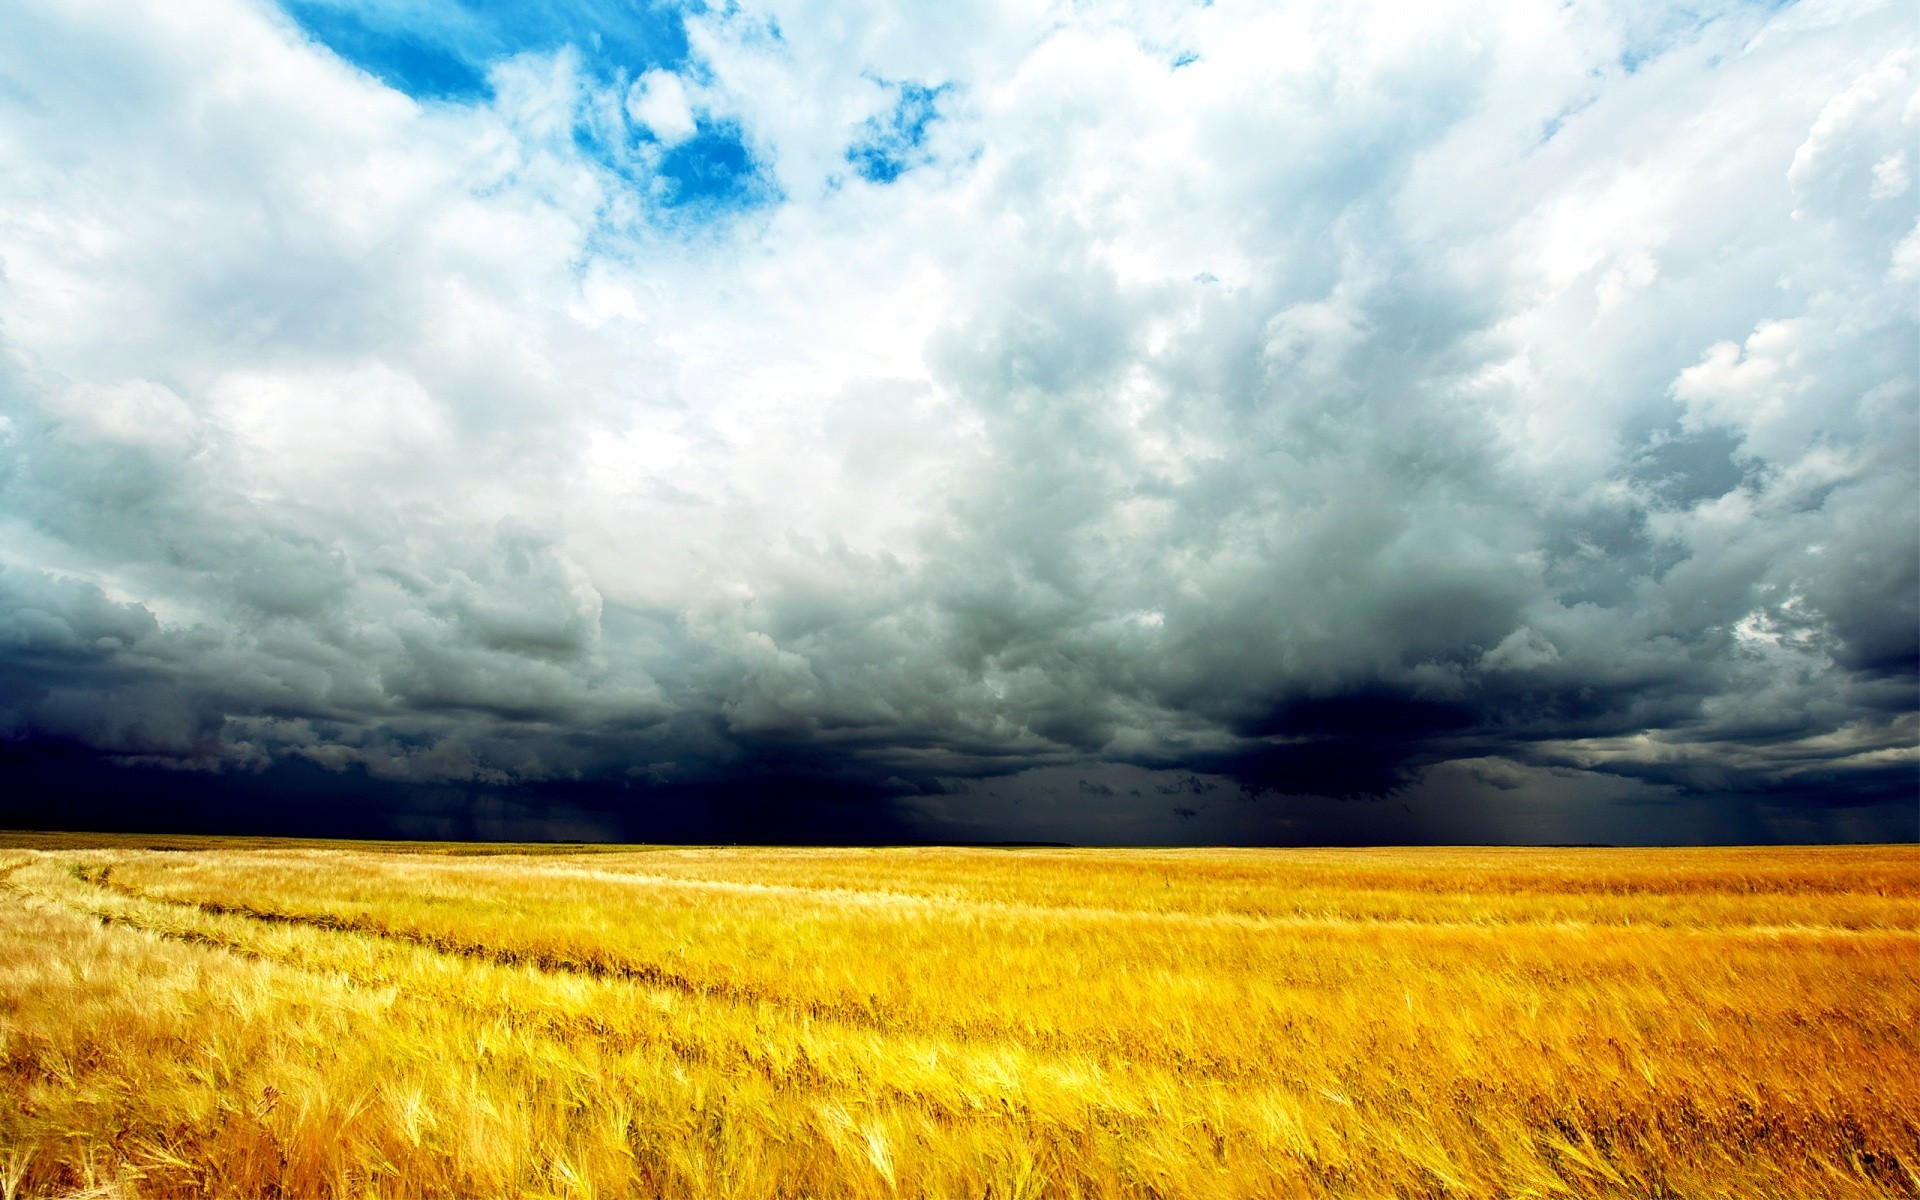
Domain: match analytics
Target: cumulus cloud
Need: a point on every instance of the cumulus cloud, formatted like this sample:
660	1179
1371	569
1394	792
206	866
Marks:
658	101
1329	399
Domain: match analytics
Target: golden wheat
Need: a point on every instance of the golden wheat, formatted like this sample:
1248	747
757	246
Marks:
189	1017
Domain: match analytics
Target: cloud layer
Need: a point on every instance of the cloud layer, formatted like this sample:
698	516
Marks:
817	401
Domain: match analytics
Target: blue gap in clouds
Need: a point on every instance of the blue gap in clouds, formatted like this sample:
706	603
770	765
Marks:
441	49
1660	29
1554	124
888	148
398	59
711	169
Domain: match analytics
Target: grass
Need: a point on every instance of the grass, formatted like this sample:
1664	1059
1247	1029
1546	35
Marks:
187	1017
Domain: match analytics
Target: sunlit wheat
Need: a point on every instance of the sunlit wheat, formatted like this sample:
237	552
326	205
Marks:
241	1018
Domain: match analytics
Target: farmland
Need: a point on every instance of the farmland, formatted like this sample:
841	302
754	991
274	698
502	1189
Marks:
194	1017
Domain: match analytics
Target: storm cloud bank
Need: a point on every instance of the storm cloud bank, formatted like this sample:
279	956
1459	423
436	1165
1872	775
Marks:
850	410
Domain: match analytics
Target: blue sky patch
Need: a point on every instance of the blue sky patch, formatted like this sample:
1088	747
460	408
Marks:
891	144
1660	30
423	68
712	169
441	49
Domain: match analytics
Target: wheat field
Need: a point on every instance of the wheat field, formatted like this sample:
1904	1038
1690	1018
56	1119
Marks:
188	1017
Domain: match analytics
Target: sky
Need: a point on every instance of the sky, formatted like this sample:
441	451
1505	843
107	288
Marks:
1009	421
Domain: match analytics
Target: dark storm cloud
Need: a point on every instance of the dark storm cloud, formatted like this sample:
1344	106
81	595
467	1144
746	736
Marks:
1184	454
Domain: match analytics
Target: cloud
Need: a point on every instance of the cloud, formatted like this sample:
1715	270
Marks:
1328	399
658	101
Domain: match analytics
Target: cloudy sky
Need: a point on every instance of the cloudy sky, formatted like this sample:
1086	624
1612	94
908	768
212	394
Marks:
1095	422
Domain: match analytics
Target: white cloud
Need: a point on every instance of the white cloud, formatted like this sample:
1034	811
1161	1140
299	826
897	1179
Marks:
658	100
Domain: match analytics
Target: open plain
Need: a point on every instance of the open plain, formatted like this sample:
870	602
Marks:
187	1017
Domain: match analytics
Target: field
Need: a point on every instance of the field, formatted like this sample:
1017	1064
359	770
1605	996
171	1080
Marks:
234	1018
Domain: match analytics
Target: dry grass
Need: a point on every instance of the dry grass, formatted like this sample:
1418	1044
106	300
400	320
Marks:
261	1018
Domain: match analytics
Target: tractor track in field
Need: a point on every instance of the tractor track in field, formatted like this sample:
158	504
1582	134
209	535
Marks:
867	1018
570	1026
644	974
798	1072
